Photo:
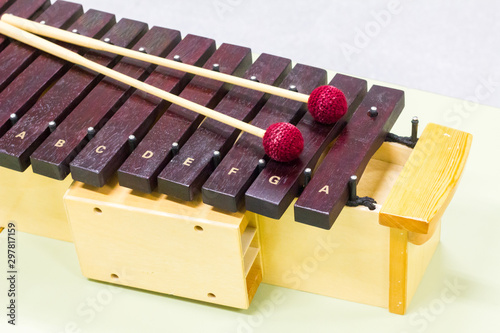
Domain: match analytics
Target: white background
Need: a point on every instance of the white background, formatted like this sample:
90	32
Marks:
445	47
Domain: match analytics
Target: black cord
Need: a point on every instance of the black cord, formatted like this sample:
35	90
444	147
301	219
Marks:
404	140
362	201
370	202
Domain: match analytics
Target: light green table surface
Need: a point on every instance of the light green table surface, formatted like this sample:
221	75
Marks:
53	296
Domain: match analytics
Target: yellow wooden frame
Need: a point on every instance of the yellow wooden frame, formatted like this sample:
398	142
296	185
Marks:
120	234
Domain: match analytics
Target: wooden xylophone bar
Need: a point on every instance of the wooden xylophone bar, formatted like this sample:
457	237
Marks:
18	97
18	56
47	107
25	9
22	93
325	196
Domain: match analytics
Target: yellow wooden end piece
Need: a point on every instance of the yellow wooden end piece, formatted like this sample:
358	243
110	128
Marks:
428	181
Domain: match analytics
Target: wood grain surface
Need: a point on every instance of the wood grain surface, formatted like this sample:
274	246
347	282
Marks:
17	56
226	187
279	183
53	160
137	115
184	180
18	97
26	9
428	180
326	195
177	124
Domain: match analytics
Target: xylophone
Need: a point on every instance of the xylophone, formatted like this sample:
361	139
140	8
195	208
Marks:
167	200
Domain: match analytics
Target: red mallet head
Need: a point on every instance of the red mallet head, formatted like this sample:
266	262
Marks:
283	142
327	104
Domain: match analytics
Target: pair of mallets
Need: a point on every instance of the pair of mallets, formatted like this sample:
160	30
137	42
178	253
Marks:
282	142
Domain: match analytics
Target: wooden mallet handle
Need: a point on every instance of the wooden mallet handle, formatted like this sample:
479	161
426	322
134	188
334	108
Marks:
72	38
63	53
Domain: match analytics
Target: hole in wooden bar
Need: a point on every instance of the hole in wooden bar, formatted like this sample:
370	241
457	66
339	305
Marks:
97	210
114	277
198	228
210	295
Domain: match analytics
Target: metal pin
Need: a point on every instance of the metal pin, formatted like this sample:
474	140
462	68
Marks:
42	22
254	78
52	126
293	87
13	119
216	158
414	129
373	112
177	58
107	40
132	142
75	31
216	67
352	188
307	176
90	133
142	50
262	164
175	148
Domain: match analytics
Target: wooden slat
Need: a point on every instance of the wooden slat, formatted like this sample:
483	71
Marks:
183	180
25	9
227	185
55	105
4	4
52	159
17	56
279	183
23	92
177	124
326	195
428	181
398	271
137	115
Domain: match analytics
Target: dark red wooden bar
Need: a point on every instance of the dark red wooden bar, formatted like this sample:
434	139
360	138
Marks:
25	9
326	194
28	133
23	92
140	170
137	115
279	183
186	172
52	158
17	56
226	187
4	4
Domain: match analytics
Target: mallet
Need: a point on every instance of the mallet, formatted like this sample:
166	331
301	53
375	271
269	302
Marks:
326	104
282	142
